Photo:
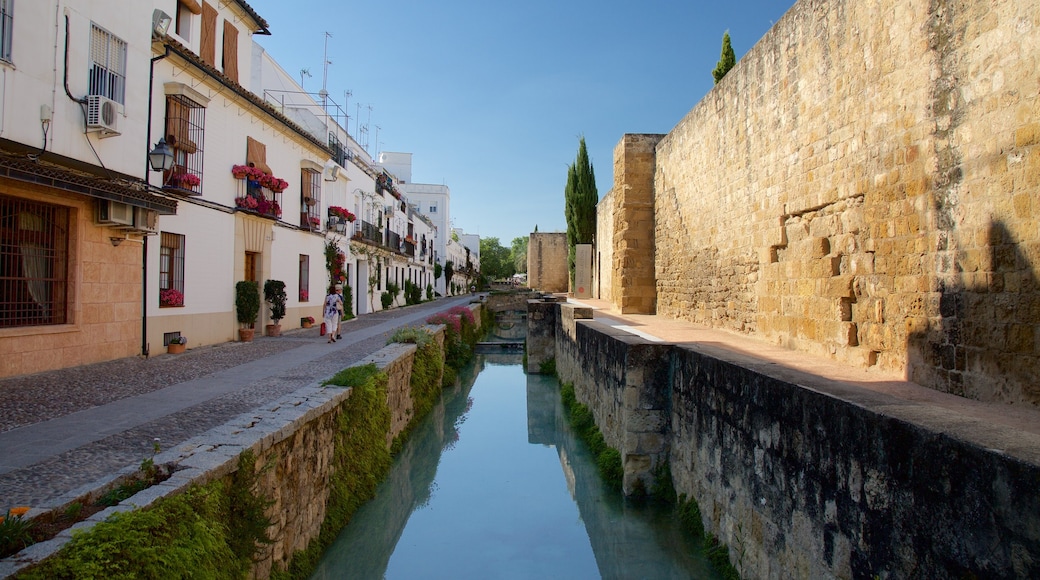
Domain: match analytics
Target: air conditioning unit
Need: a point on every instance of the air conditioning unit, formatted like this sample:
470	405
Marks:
146	220
113	213
103	115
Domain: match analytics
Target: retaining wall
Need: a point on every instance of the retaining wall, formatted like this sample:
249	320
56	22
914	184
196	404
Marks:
806	478
292	438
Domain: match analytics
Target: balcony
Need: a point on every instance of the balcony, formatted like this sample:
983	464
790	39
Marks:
258	200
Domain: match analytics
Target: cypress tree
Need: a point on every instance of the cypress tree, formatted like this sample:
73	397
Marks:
727	59
581	197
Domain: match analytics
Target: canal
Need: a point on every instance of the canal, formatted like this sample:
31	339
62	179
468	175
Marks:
493	484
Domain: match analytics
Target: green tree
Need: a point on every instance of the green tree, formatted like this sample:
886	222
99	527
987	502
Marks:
496	262
580	199
518	251
727	59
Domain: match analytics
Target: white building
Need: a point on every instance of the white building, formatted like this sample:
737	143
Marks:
101	258
434	202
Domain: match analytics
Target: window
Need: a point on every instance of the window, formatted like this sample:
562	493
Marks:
433	208
185	10
107	65
171	270
305	278
185	129
6	28
34	263
310	202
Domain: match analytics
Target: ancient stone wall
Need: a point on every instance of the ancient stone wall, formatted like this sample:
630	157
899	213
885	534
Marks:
863	185
603	260
632	287
547	262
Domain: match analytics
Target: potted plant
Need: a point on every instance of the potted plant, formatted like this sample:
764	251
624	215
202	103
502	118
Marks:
177	345
307	321
247	306
275	296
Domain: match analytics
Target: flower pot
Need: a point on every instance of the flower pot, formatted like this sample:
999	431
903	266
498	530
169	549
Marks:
273	330
175	348
308	324
246	334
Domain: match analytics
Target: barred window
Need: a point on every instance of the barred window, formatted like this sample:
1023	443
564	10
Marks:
6	28
310	193
107	65
34	263
185	132
171	270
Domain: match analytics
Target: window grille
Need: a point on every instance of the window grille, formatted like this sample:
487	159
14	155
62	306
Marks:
107	65
185	132
310	193
34	263
6	28
171	270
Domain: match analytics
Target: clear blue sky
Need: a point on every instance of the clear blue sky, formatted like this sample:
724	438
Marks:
491	98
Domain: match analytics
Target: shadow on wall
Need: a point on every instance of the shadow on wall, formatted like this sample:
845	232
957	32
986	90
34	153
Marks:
984	342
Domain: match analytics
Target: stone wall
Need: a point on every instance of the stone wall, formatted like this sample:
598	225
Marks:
632	288
623	379
603	262
293	440
806	478
802	483
547	262
863	185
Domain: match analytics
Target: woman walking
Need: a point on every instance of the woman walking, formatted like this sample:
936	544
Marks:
333	308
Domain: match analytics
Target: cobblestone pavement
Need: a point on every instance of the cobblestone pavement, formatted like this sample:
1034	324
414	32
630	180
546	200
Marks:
40	397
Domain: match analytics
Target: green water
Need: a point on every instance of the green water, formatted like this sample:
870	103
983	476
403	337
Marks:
493	484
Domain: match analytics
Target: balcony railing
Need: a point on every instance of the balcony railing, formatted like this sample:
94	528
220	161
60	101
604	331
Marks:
370	233
258	200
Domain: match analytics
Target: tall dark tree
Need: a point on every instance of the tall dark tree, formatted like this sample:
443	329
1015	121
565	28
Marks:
727	59
580	197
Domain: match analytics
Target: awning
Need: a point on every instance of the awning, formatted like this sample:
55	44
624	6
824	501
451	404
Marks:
51	174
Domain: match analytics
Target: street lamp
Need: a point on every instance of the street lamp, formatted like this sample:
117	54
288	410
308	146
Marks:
161	158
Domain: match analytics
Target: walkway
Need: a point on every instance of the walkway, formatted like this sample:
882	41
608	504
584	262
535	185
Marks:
62	430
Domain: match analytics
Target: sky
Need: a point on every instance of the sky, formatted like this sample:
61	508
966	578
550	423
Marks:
492	98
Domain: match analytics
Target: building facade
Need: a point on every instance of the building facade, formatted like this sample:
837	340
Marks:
76	208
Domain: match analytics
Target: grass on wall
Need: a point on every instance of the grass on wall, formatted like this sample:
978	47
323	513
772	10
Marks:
360	457
210	531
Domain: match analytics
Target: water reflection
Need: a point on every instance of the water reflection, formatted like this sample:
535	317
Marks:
484	489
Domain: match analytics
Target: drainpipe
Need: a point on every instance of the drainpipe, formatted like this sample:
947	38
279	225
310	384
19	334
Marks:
147	173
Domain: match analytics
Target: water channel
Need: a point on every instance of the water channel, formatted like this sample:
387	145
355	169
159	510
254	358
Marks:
493	484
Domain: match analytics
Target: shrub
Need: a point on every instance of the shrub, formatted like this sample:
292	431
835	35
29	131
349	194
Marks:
274	294
247	301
